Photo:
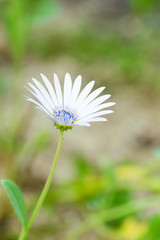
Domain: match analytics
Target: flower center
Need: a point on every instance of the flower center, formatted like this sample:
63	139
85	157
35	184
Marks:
64	116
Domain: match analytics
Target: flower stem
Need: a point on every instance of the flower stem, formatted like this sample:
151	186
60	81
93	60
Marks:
42	197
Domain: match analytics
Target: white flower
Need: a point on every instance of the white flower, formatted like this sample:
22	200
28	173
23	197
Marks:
69	107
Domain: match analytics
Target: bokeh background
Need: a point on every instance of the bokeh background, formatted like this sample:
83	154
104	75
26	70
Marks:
108	174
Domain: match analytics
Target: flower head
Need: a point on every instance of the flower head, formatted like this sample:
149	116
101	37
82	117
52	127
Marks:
69	107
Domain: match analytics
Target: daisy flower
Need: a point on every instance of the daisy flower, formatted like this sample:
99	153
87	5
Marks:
69	107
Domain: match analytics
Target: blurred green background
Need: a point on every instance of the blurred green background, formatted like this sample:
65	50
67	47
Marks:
108	176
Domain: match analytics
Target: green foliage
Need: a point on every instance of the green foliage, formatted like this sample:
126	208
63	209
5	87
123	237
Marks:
16	199
143	6
81	166
41	141
156	152
41	11
16	29
153	232
99	191
128	53
2	85
19	17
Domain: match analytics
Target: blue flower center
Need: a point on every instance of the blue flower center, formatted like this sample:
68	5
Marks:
64	117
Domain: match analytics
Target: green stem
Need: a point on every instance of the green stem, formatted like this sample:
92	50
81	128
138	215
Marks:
23	234
107	215
24	231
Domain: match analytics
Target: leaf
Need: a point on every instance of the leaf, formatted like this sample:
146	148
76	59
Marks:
16	199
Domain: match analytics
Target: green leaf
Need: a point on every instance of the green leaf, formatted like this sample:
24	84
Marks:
16	199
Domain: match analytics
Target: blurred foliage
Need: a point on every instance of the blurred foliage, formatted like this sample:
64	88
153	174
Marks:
129	45
19	17
91	191
143	6
153	231
3	86
16	29
132	229
133	55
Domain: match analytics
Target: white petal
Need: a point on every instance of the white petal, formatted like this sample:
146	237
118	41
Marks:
81	123
89	99
50	118
58	89
44	92
84	93
47	115
96	115
50	89
67	89
97	101
39	105
75	90
40	97
90	110
34	94
98	119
